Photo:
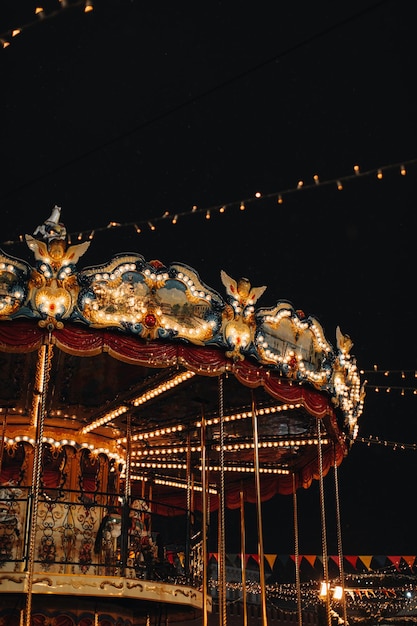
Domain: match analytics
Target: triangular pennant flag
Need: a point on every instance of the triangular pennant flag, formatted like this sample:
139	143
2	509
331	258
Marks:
380	560
255	557
409	560
336	560
311	558
284	559
271	560
231	558
352	560
212	555
395	560
366	560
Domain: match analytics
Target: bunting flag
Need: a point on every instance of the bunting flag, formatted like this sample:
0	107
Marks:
336	559
357	562
366	560
410	560
271	558
310	558
395	560
353	560
300	558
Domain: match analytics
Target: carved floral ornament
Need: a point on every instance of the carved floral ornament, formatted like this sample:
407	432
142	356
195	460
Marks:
154	301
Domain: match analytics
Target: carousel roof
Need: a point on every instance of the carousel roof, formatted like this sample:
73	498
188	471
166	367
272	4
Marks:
146	352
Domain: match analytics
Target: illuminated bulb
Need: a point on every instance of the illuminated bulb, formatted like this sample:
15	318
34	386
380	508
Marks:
242	206
16	31
338	593
323	588
222	209
403	170
280	200
151	226
194	209
208	215
4	43
316	179
339	185
137	229
258	194
175	219
379	174
88	6
356	169
300	184
39	11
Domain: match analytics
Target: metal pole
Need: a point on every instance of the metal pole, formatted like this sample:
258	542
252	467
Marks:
204	507
296	551
259	512
39	399
222	521
323	527
339	541
243	558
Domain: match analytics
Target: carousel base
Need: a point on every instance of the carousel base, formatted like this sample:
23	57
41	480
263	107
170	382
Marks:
78	611
89	600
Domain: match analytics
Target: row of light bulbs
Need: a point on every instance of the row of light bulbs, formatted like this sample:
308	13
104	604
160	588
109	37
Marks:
40	14
150	224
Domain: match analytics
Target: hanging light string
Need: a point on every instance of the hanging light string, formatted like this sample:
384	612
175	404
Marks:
41	14
394	445
395	380
150	224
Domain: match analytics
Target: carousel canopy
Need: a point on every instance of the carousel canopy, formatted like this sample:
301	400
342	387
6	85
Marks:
149	365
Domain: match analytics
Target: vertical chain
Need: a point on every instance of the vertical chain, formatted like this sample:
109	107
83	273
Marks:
323	526
42	377
259	511
243	556
222	530
296	551
204	521
339	539
128	469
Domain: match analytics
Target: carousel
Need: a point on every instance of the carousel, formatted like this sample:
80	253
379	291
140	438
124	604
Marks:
135	401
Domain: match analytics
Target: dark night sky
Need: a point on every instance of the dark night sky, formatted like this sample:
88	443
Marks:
137	108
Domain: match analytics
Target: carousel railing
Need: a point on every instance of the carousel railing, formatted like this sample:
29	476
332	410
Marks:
103	535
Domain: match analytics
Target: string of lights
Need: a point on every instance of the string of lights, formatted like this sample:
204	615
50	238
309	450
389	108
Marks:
394	445
278	197
7	37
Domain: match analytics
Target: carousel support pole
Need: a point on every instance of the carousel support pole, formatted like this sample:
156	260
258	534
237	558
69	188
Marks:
204	497
296	552
339	541
3	434
323	527
188	529
259	512
128	469
127	492
39	399
243	558
150	496
222	528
